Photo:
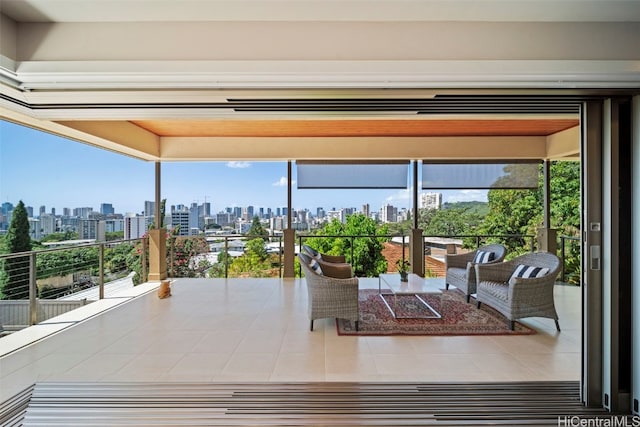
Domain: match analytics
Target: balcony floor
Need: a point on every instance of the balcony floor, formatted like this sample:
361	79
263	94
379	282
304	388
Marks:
236	330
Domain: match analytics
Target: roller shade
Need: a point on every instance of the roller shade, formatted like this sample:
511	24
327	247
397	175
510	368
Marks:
352	174
480	175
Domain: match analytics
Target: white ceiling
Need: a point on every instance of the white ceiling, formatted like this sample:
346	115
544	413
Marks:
321	10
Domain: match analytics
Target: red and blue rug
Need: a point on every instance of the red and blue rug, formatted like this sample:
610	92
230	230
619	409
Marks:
458	317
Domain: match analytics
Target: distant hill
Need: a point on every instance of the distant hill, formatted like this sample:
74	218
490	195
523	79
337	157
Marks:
480	208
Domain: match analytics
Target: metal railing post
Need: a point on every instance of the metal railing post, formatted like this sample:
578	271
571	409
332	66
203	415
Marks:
33	290
533	242
101	271
226	257
279	256
562	254
172	241
300	249
145	248
352	253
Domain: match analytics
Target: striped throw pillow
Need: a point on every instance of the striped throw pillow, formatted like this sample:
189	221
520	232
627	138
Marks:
483	257
527	271
313	264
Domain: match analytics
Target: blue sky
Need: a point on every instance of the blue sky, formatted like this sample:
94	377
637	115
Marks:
43	169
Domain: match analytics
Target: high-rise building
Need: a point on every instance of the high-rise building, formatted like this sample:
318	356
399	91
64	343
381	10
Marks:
7	208
366	210
92	229
180	220
47	224
194	215
82	212
66	211
29	211
320	213
107	209
388	213
135	226
42	210
149	208
431	200
113	225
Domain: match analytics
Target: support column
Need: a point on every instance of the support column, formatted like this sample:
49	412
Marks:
416	239
289	233
157	238
416	252
157	254
547	236
547	240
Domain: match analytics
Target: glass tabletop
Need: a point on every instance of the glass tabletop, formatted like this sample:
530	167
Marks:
415	284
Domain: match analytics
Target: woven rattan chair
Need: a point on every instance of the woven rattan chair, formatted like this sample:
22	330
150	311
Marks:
330	296
320	256
517	298
460	272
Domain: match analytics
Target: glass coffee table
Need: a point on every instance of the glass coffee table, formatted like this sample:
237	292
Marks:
390	288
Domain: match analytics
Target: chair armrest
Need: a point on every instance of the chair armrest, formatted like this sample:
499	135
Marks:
459	260
336	270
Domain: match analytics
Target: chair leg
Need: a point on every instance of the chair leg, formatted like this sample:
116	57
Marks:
357	323
478	304
557	325
311	329
446	286
512	325
468	298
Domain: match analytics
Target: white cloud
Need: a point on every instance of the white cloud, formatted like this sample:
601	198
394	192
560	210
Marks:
282	182
238	165
400	196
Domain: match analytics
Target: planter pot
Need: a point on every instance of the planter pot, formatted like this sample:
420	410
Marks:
404	276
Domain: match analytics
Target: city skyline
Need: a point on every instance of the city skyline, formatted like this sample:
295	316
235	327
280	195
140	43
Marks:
66	174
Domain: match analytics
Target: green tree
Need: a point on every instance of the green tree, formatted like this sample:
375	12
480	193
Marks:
15	280
256	229
520	211
367	257
60	236
453	221
254	262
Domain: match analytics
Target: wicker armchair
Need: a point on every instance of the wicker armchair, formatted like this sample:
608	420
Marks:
460	272
330	296
324	257
519	297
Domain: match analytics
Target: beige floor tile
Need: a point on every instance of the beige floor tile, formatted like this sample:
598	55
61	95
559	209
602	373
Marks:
258	330
250	364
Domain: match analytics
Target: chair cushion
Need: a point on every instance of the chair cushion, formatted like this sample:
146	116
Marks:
527	271
482	257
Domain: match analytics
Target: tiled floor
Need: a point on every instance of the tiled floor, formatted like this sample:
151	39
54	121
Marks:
258	330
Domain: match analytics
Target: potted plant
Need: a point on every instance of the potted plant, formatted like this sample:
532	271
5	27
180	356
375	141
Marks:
403	266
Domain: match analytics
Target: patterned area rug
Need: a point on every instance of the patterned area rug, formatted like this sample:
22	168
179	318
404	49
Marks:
458	317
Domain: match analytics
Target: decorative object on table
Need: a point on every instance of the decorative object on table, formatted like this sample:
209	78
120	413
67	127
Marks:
460	271
403	267
458	317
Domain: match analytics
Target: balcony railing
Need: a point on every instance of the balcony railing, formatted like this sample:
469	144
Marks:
51	274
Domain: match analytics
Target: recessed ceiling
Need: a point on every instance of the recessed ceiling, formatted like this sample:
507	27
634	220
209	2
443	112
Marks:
320	10
357	128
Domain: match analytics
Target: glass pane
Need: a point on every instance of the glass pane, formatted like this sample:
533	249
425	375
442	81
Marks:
352	175
479	175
